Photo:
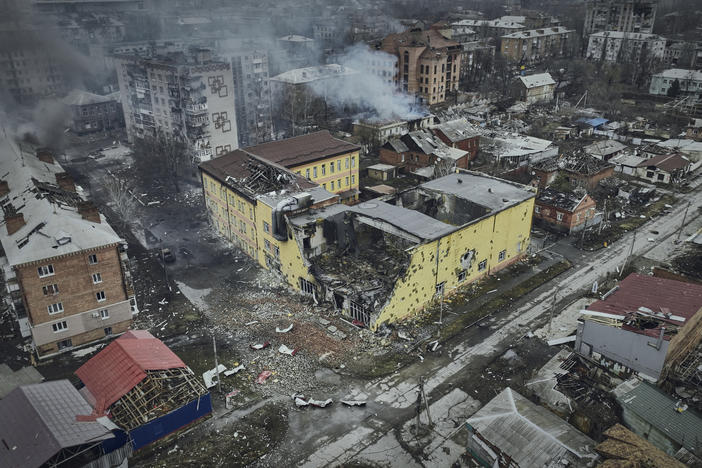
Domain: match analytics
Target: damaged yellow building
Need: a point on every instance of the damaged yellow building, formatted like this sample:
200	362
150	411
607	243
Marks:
379	261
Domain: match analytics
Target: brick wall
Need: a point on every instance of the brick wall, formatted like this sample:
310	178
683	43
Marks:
83	338
73	275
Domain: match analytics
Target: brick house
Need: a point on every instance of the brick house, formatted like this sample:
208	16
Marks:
580	169
459	134
64	266
564	212
665	168
421	149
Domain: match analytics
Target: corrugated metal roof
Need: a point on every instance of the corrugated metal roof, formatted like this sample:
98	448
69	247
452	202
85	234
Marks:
657	294
302	149
658	409
538	80
118	368
39	420
530	434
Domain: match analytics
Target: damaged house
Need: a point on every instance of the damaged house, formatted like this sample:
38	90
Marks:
580	169
647	325
566	212
423	154
386	259
65	269
144	389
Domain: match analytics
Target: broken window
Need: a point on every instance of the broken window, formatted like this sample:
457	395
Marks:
104	314
97	278
324	169
559	216
307	173
50	289
108	331
314	171
92	259
267	244
358	312
307	287
64	344
440	288
100	296
467	259
482	265
461	276
266	227
537	209
502	255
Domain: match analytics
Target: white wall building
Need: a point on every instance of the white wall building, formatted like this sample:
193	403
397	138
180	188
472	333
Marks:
625	47
690	82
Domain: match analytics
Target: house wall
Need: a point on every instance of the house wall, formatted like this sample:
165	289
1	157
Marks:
570	221
589	181
646	431
336	174
686	340
625	347
77	296
538	94
471	145
507	230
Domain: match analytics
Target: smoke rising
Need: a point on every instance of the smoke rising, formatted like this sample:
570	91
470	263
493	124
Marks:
374	94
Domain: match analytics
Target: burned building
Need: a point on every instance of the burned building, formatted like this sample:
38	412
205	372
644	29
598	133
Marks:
579	169
566	212
386	259
420	150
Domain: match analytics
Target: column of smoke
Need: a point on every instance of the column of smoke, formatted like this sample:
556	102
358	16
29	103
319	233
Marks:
373	95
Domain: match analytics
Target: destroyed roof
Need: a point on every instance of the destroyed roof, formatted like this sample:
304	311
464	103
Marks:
79	97
681	144
310	74
628	160
633	36
659	410
623	446
518	145
253	175
536	81
568	201
50	213
428	38
579	163
457	130
39	420
667	162
119	367
604	148
481	189
541	32
302	149
681	74
397	145
531	435
659	295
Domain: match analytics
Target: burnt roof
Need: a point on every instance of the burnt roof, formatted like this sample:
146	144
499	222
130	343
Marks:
302	149
414	38
253	175
564	200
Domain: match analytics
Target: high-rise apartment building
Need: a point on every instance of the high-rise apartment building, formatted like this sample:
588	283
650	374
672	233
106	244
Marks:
537	45
189	94
252	94
619	15
428	64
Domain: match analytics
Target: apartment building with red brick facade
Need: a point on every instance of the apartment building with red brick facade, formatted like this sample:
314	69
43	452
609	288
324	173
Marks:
65	269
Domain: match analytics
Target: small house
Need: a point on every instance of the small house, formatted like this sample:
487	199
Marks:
665	168
536	88
565	212
382	172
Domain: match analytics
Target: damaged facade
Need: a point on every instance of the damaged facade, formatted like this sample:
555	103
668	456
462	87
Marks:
424	154
384	260
564	211
648	325
65	268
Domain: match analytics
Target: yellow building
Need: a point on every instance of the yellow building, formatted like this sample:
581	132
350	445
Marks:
246	197
386	259
378	261
319	157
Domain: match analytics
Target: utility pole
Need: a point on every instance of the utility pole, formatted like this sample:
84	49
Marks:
418	410
604	216
424	397
582	238
631	250
677	240
551	311
214	348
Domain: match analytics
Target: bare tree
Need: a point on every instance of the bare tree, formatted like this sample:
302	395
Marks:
120	196
164	156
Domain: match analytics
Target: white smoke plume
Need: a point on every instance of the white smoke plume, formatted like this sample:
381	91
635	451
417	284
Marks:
374	96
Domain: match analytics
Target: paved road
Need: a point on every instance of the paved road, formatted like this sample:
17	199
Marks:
374	439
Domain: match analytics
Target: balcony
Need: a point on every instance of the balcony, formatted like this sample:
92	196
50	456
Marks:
196	120
196	109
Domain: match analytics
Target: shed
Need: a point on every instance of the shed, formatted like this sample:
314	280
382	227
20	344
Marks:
382	171
529	434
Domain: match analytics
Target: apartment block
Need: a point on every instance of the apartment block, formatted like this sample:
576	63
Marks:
690	82
64	267
538	45
622	47
619	15
252	94
428	63
189	94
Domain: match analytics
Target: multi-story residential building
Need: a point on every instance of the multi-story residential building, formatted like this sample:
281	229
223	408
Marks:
689	81
92	112
252	94
318	157
619	15
64	267
490	28
625	47
537	45
428	64
186	94
433	239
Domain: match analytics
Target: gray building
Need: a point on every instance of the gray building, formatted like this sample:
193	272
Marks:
252	94
189	94
619	15
690	82
92	112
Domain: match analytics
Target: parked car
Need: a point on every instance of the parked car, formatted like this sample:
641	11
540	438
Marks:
167	256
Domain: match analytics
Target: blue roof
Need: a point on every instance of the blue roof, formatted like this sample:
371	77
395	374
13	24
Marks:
594	123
